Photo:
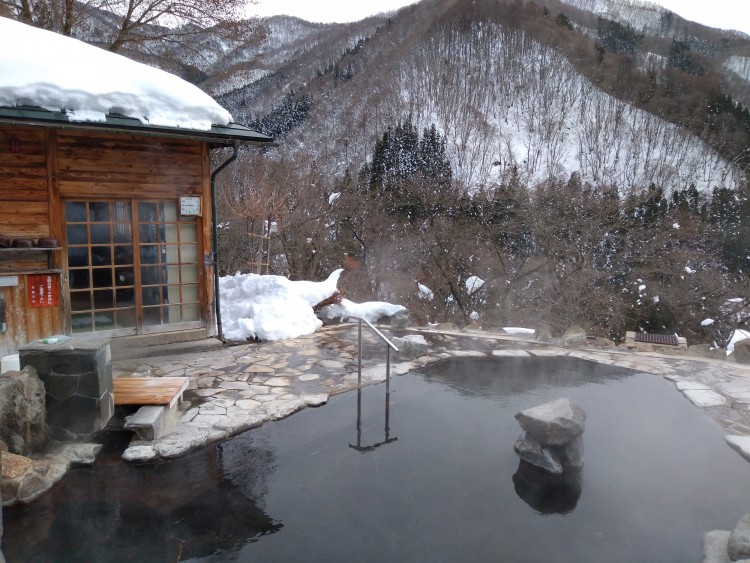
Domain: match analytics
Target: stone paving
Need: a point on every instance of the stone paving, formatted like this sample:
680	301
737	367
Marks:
241	387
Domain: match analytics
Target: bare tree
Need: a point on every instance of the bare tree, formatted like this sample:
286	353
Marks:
119	25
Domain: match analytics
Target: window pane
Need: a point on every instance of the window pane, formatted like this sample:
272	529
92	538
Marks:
189	293
150	254
98	211
121	211
123	255
169	211
125	297
188	253
125	276
80	279
101	255
75	211
102	277
151	295
170	232
104	320
80	300
100	234
190	273
148	233
172	314
151	275
78	257
77	234
83	323
173	274
173	253
147	212
125	318
190	313
188	232
104	299
123	232
152	316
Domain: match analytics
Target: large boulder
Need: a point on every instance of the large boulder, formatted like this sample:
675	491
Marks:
544	333
410	346
742	351
23	414
556	423
739	540
574	337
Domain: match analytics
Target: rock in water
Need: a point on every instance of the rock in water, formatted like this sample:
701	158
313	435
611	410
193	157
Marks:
531	451
556	423
23	425
739	540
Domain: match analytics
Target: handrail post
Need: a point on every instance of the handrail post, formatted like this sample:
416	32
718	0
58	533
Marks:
359	346
387	368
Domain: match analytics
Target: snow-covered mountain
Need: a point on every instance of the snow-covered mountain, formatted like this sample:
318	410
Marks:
511	90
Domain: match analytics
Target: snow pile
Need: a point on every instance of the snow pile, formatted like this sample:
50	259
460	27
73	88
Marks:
271	307
43	69
474	284
275	308
425	292
370	310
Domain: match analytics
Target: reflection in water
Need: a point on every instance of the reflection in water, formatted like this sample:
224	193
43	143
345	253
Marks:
387	440
119	512
493	377
247	461
546	492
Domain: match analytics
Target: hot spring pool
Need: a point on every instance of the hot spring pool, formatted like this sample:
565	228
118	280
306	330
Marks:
440	483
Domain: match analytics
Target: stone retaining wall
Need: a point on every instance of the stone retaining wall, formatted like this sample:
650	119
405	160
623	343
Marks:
77	376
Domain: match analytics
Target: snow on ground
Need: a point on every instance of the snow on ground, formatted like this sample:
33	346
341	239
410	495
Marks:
518	330
276	308
44	69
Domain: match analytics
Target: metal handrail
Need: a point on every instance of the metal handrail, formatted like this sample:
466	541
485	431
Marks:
389	346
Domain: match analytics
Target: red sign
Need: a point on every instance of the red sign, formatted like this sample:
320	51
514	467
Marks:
43	290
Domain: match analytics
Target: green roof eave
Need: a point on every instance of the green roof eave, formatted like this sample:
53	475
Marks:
218	135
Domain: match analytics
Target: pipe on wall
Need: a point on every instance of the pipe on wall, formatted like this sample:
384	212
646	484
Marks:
215	237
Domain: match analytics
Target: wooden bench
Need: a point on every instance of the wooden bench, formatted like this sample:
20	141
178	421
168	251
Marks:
158	399
149	390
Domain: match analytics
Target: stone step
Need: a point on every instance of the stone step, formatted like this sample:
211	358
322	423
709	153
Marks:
149	346
151	422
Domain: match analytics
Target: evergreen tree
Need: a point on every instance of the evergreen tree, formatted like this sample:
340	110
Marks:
408	171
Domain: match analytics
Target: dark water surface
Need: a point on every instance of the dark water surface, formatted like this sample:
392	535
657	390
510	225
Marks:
431	478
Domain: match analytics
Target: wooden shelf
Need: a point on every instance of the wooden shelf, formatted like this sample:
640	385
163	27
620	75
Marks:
30	249
22	272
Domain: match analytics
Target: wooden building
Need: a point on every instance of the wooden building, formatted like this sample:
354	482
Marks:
106	227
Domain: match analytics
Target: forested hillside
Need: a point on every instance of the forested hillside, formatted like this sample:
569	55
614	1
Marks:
589	168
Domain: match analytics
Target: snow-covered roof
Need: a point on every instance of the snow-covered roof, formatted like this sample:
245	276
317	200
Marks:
86	84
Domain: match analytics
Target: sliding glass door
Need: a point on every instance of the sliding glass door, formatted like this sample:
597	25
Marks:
133	267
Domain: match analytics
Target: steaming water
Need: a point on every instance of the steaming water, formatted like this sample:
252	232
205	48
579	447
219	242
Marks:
446	485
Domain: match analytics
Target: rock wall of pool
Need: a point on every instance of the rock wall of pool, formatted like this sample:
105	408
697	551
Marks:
423	470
